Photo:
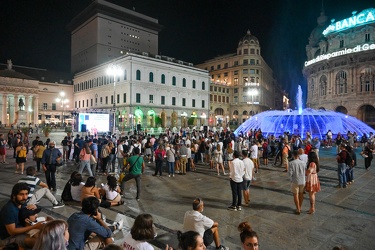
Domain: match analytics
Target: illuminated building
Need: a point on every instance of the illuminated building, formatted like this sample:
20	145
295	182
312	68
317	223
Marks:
242	84
152	91
340	66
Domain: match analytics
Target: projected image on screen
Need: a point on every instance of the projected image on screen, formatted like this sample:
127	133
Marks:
93	122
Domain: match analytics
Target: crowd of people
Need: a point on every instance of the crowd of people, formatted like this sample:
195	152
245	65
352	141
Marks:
179	153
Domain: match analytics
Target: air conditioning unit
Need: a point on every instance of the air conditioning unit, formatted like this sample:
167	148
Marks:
145	53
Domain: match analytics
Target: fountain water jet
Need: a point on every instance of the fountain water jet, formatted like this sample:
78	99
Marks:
301	121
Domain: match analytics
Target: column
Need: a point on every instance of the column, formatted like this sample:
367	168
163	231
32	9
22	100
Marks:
35	109
27	97
4	110
15	100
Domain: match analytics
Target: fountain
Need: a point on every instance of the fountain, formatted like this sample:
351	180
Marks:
301	121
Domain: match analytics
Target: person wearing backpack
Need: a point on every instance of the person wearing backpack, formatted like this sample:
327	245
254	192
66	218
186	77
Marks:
20	157
342	158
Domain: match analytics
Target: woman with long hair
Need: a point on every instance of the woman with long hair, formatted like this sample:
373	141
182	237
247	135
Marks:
21	153
312	181
112	191
53	236
190	240
218	158
85	155
249	238
89	189
143	230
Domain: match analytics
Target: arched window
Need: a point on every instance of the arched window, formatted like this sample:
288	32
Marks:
138	75
367	80
163	79
151	77
174	81
341	83
203	85
183	82
323	86
235	112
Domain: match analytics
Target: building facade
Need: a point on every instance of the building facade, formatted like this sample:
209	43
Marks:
241	84
104	31
150	91
30	95
340	66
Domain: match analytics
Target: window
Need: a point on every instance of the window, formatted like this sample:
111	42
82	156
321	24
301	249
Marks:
245	71
203	104
79	104
215	98
174	101
83	105
215	89
257	51
101	100
53	106
138	98
184	82
252	51
45	106
163	79
194	84
367	79
174	81
124	98
235	90
245	62
96	101
219	100
203	85
235	63
252	61
235	99
112	99
118	98
212	67
138	75
162	101
246	51
91	102
225	74
218	66
125	75
367	37
193	103
151	98
341	83
252	71
87	102
106	100
151	77
227	99
225	65
183	102
235	72
235	81
341	43
211	98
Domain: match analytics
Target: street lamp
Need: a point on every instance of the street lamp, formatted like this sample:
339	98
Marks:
115	71
252	93
61	99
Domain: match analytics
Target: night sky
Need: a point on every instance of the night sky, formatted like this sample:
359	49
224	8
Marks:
33	32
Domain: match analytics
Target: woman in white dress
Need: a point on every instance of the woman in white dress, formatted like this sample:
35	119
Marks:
218	158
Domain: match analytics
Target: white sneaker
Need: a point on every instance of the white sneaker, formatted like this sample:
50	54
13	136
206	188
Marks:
119	224
169	175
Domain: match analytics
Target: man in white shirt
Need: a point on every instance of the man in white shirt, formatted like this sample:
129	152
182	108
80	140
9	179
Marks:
254	155
297	177
237	170
249	168
194	220
302	156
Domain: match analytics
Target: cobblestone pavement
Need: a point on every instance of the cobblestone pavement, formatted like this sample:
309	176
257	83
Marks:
344	217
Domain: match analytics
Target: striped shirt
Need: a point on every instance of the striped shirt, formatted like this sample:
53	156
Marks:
32	182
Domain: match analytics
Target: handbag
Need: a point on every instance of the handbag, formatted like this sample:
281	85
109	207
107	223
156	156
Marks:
92	160
59	161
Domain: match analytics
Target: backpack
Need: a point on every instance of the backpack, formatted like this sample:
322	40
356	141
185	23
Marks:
66	194
125	148
348	159
159	155
104	153
22	153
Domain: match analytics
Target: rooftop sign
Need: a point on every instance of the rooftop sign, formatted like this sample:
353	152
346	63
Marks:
364	17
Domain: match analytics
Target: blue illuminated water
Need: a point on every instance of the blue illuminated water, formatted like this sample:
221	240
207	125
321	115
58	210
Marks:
316	122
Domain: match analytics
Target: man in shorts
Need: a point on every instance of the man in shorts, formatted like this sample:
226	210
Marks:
284	154
297	170
247	178
194	220
11	229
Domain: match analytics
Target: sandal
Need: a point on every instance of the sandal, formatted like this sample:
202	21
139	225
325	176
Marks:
121	202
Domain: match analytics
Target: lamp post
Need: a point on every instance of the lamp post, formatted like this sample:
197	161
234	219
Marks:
115	71
63	101
74	115
252	93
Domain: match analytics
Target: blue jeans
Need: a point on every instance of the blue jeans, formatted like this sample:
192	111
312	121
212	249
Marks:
341	169
349	174
236	193
85	164
171	168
